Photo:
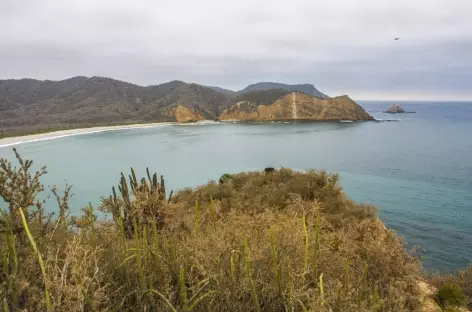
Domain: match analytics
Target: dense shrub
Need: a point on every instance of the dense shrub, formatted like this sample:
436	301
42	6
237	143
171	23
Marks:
462	286
450	294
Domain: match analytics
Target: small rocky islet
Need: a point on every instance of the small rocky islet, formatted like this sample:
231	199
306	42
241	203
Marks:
396	109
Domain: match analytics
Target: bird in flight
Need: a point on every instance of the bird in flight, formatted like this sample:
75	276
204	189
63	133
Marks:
397	38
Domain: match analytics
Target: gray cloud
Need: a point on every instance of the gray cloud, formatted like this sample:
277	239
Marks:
342	46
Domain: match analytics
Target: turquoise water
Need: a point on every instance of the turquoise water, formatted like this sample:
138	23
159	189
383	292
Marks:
418	171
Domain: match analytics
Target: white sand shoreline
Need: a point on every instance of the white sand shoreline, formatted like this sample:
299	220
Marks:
12	141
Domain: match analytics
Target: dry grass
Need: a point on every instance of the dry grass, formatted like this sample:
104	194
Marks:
283	241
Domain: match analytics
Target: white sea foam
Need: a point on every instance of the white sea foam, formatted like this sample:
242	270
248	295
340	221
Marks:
200	123
387	120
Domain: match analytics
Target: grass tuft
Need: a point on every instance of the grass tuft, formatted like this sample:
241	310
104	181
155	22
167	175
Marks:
40	260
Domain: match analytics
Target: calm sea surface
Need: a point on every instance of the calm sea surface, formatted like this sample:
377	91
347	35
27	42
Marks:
418	171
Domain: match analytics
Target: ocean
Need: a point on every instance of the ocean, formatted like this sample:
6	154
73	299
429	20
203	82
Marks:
417	170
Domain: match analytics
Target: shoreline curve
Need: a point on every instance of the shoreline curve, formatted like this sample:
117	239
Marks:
13	141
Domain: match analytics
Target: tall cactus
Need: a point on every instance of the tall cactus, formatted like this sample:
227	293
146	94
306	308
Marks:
162	190
133	181
149	177
123	187
155	185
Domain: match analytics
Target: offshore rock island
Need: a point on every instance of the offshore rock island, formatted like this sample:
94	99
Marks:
396	109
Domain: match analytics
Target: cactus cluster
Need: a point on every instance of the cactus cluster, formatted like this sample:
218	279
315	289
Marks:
138	201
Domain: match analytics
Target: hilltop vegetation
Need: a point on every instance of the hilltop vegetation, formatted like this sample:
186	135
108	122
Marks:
304	88
264	86
260	97
257	241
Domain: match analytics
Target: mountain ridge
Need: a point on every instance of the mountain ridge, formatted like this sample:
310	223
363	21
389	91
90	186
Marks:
29	104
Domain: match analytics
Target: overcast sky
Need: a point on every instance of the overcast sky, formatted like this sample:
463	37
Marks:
340	46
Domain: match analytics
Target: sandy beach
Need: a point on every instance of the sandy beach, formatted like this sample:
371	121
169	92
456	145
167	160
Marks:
66	133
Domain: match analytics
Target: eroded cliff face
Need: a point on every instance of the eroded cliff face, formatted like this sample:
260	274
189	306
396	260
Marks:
185	114
298	106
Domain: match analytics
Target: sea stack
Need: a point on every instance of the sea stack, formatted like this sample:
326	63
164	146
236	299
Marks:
395	109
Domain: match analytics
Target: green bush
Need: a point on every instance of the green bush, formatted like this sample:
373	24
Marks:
450	294
225	177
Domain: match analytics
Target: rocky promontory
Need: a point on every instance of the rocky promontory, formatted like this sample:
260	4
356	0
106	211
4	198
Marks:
297	106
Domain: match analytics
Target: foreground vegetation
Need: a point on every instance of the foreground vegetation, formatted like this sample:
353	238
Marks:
274	241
